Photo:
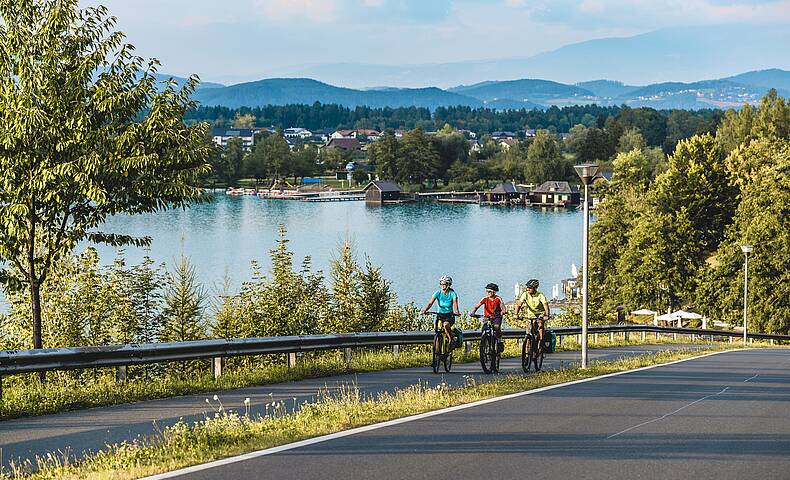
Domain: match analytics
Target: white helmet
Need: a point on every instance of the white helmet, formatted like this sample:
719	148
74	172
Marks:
446	279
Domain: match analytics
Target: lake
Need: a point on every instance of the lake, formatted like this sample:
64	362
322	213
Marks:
413	243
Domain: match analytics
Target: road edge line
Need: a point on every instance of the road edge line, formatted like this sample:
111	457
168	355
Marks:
411	418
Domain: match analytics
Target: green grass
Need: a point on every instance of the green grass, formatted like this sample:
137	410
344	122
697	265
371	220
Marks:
230	433
23	396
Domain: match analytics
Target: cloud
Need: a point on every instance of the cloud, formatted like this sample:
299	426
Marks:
285	10
652	15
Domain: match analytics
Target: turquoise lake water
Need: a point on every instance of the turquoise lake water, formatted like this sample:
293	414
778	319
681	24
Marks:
413	243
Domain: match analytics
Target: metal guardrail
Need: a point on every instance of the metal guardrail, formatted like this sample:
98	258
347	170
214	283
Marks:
42	360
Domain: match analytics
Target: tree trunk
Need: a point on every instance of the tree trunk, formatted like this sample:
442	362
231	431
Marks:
35	302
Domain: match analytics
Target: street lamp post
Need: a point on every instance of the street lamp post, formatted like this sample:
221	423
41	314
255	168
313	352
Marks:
746	249
586	173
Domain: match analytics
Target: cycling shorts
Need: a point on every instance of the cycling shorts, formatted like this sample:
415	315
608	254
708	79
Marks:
444	317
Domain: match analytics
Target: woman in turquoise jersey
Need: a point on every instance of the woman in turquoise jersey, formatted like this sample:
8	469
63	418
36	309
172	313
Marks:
448	305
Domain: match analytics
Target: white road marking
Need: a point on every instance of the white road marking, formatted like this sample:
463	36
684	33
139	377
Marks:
398	421
668	414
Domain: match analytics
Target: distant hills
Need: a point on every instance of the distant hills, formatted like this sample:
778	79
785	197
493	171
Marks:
674	54
733	91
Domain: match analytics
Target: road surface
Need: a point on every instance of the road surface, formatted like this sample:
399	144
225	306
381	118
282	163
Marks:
723	416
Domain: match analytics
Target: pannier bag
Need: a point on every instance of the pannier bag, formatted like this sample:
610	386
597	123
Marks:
549	341
460	334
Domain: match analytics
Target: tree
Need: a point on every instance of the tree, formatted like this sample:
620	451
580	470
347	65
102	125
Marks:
696	180
246	120
254	164
303	162
346	289
376	298
418	159
384	156
761	220
184	300
231	161
452	147
75	147
631	139
276	154
184	309
544	160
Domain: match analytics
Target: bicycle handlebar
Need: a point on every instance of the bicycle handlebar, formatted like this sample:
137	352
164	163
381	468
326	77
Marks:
437	313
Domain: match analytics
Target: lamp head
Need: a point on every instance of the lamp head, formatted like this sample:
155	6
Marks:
586	172
747	248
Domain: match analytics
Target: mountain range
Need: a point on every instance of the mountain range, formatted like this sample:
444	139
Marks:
727	92
684	54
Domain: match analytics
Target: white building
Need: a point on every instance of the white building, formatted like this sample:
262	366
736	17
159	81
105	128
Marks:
222	135
297	132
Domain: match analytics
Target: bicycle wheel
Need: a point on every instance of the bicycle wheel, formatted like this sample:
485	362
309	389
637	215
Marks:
538	356
436	356
448	361
526	353
485	353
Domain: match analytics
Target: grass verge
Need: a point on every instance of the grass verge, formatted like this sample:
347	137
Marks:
232	433
27	397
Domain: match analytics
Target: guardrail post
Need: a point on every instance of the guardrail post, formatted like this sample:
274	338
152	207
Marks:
559	339
730	339
644	334
468	347
579	339
611	337
395	350
625	336
120	374
595	338
657	335
291	359
217	366
347	355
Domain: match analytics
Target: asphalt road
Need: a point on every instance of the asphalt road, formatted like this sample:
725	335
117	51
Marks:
724	416
77	432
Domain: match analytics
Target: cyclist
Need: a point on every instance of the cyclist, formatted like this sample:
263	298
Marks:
535	304
448	305
493	306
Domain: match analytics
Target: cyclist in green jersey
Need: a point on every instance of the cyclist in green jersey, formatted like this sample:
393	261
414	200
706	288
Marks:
535	304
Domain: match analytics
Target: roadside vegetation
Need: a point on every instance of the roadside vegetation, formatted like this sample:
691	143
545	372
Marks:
26	396
229	433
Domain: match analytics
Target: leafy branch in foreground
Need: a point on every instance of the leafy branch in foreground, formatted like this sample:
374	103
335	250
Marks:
75	145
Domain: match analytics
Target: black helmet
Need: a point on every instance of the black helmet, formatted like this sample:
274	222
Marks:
533	283
492	286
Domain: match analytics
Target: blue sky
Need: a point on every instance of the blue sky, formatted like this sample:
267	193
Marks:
240	40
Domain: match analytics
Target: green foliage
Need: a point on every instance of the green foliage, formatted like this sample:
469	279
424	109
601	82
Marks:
276	154
184	305
675	242
75	146
544	160
384	156
419	159
762	219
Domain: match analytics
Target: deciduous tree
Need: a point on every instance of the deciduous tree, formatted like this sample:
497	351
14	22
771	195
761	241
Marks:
84	134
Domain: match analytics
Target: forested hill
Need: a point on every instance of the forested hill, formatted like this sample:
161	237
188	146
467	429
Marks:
504	95
282	91
527	90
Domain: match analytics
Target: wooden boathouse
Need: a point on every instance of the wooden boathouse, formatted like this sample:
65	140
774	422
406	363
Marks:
554	193
380	191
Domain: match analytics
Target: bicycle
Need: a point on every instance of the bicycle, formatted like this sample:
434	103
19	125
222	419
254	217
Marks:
489	346
442	347
532	350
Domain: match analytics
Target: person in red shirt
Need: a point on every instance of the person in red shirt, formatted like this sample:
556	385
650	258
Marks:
493	307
